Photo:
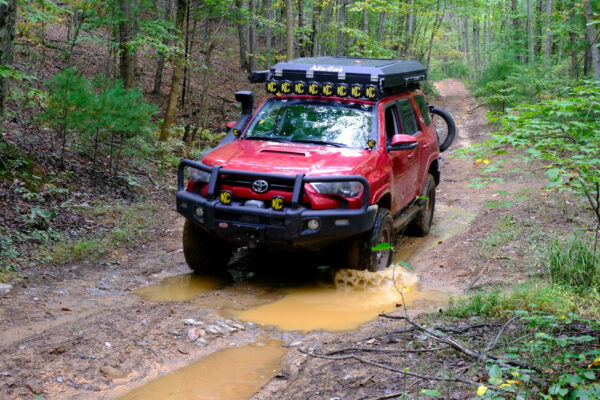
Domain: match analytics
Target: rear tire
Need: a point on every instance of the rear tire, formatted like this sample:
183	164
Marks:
359	251
204	252
421	224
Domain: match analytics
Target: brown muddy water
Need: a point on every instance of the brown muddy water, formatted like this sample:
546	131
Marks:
230	374
178	288
355	297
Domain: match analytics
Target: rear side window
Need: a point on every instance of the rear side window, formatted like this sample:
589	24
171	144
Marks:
407	116
422	104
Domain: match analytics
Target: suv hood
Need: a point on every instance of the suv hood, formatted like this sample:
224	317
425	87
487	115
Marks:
287	158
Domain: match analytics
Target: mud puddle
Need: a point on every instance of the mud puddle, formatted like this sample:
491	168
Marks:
355	297
230	374
178	288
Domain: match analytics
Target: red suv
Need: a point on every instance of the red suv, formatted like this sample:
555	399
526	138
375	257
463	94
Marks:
341	156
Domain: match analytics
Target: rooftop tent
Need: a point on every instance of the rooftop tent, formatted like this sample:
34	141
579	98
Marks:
368	78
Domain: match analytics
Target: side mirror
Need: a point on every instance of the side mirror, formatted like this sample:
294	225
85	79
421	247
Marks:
230	125
246	98
402	142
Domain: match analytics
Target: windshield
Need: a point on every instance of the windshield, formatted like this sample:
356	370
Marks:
309	121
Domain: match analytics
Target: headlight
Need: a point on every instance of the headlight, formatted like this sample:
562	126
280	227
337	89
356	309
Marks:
197	175
344	189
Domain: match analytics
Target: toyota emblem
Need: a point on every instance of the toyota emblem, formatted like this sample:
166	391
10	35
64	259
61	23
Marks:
260	186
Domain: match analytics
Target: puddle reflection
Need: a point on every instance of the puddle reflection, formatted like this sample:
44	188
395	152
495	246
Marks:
231	374
178	288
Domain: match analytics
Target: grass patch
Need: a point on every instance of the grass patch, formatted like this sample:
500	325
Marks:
77	250
503	233
529	296
125	224
573	263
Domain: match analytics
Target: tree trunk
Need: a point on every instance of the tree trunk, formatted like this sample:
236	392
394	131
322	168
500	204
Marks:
548	32
466	46
8	14
381	26
316	27
252	37
573	51
127	32
365	21
270	16
593	39
530	32
160	62
341	22
186	54
410	22
289	30
302	38
177	72
475	48
242	36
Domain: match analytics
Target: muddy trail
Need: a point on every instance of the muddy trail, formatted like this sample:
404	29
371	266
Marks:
112	330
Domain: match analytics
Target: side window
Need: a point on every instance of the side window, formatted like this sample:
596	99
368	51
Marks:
391	122
422	104
407	116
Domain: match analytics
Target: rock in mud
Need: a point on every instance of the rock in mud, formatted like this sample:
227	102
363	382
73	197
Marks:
5	288
194	333
112	372
191	322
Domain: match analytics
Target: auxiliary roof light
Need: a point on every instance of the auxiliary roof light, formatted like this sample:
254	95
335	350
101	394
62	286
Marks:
300	87
342	89
356	91
285	87
327	89
272	86
314	88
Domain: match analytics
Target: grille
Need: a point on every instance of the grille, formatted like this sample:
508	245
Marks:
243	181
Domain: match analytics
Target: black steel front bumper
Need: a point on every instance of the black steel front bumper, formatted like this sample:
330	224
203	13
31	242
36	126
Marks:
243	224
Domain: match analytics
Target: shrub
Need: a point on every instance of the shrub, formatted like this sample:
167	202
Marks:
573	263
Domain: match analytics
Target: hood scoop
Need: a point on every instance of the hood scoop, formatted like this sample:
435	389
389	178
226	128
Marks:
276	150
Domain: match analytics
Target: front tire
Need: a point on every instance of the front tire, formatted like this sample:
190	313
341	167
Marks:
360	255
421	224
204	252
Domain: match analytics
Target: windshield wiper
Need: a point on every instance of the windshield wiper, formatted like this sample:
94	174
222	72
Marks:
324	142
269	138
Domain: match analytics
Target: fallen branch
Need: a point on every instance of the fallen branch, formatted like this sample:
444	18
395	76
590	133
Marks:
479	274
390	368
389	351
500	332
471	353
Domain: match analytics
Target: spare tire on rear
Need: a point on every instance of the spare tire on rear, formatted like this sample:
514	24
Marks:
445	134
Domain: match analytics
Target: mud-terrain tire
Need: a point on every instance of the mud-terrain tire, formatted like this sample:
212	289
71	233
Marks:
204	252
359	254
446	139
421	224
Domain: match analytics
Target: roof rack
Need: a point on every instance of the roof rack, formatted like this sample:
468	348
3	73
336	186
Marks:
369	78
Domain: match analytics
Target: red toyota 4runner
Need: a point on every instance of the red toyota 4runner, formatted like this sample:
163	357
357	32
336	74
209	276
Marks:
341	156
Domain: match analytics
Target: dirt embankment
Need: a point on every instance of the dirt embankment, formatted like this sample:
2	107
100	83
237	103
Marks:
87	336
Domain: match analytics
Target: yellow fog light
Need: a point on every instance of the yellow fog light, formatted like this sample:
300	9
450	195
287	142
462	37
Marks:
226	196
199	212
313	224
277	203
